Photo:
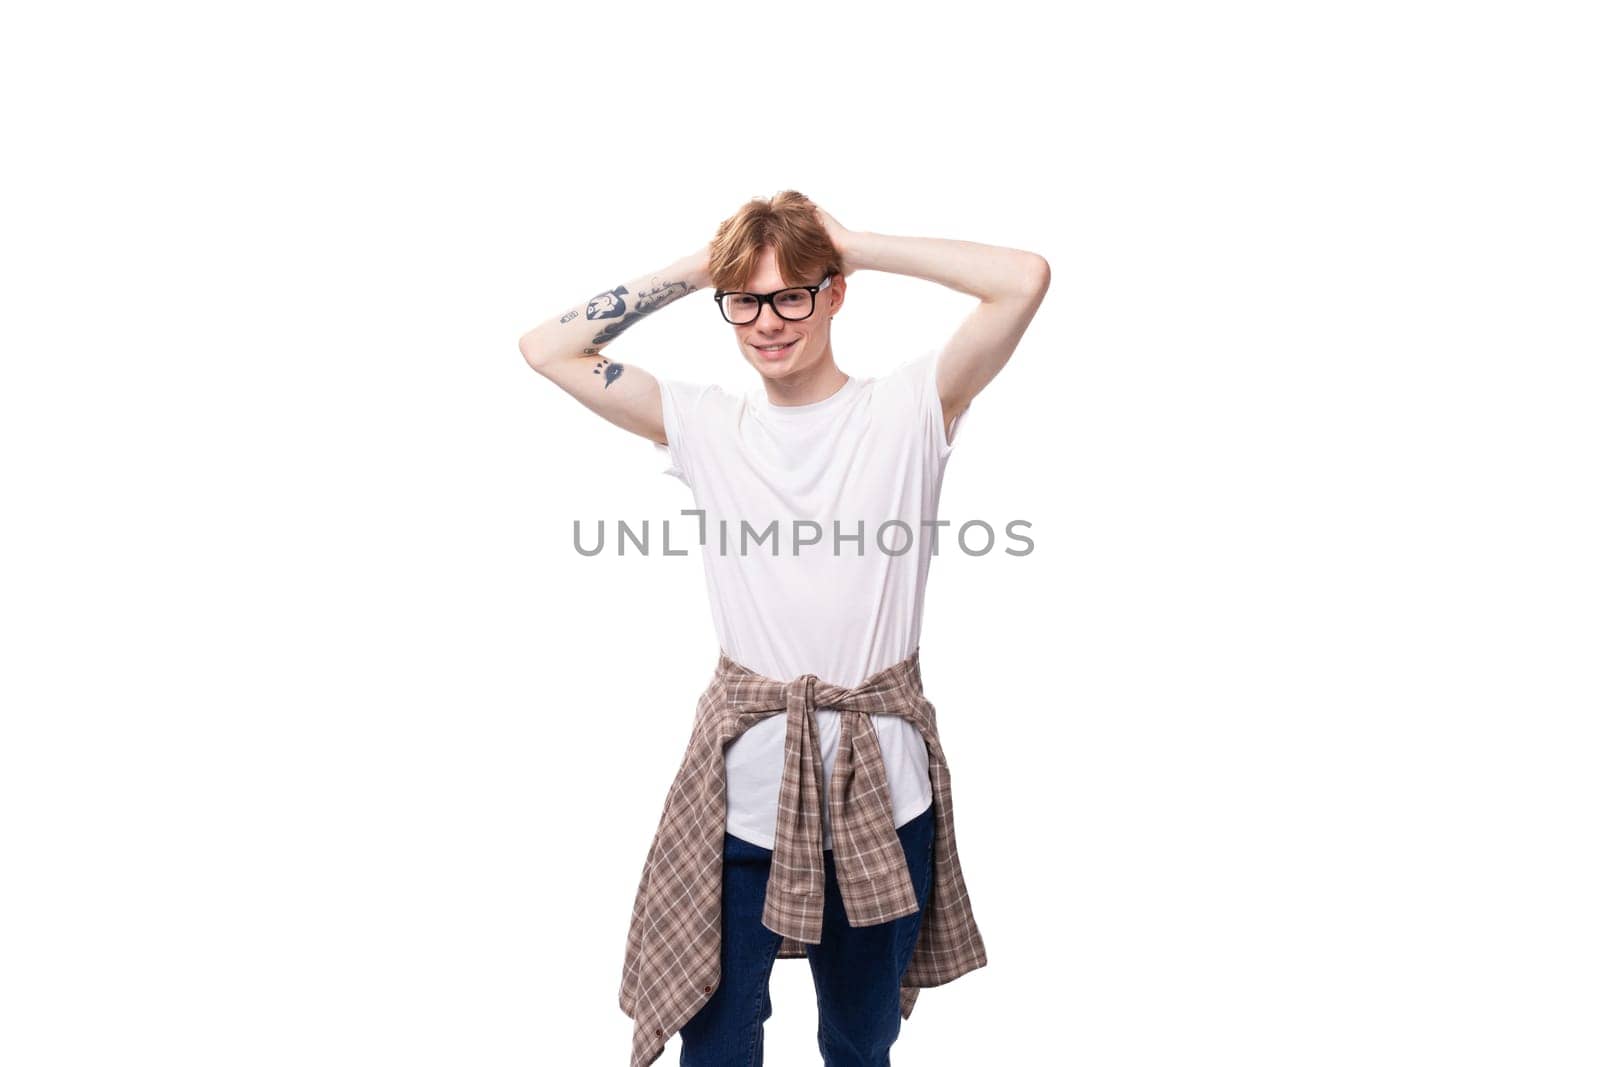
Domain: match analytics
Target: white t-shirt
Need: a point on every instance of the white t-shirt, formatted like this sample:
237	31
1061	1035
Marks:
840	607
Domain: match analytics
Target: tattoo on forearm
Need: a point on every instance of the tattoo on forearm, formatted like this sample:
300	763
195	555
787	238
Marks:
569	316
609	334
611	371
607	305
610	305
663	294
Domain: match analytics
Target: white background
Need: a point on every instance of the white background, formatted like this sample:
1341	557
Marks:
323	746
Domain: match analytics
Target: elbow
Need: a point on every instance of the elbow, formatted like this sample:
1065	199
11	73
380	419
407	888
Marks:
1027	280
1038	273
528	345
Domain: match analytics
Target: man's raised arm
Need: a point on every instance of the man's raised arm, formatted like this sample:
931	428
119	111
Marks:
567	349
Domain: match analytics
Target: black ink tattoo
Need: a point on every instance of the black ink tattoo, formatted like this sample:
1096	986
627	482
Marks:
663	294
569	316
653	299
611	371
607	305
609	334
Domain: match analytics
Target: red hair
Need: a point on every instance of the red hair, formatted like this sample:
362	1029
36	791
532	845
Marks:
788	224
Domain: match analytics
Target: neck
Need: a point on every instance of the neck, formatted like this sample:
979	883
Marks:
807	386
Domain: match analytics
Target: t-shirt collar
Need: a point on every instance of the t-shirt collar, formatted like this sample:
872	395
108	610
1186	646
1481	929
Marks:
801	411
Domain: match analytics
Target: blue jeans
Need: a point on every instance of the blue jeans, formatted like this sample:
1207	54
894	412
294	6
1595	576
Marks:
856	969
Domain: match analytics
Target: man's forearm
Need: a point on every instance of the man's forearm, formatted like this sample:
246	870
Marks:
587	328
988	272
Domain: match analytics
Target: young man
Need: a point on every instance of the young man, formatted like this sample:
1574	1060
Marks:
820	494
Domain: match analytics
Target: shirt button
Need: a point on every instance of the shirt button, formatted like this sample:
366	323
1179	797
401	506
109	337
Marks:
658	1031
708	989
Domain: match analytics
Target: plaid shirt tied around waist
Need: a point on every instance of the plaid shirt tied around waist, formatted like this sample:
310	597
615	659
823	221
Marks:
673	961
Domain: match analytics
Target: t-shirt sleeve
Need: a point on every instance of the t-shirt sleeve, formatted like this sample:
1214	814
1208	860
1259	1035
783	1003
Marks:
930	411
680	409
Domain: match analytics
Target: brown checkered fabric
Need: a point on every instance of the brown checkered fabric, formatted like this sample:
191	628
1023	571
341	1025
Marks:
673	961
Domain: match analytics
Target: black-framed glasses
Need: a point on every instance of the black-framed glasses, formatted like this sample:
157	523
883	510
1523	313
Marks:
794	303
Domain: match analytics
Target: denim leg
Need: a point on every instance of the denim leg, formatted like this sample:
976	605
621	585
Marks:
857	969
727	1031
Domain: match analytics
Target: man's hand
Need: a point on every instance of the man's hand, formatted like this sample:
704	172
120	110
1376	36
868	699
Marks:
841	238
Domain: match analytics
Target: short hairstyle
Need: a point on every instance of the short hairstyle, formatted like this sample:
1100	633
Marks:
788	223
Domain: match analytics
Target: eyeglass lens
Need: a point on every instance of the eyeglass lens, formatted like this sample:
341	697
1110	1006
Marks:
741	308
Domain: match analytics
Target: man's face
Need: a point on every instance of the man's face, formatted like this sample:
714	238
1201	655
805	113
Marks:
807	338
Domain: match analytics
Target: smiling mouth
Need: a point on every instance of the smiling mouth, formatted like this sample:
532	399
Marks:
775	351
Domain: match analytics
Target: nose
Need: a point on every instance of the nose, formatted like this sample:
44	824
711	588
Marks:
769	319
